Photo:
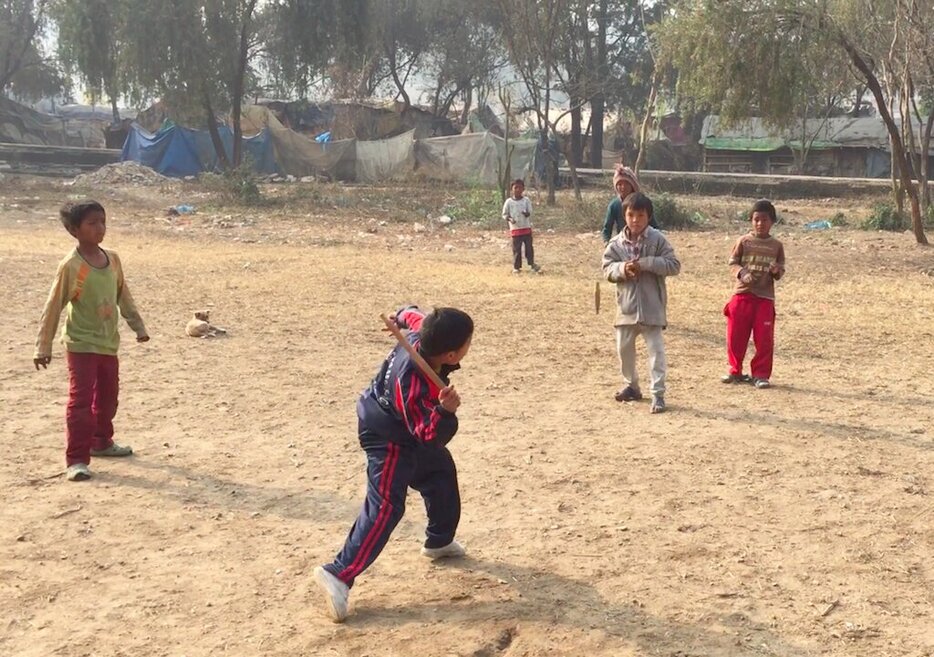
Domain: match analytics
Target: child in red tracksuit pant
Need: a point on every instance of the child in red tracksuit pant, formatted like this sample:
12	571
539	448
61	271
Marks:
757	261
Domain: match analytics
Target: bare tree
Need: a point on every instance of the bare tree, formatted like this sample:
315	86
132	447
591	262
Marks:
530	30
23	68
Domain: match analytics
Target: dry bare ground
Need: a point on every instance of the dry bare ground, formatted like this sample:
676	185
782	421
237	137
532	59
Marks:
795	521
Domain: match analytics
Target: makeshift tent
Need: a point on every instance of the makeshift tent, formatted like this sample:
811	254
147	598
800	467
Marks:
385	159
474	158
178	152
21	125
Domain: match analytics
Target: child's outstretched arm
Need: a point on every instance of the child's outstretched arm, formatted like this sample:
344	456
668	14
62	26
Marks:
430	421
59	295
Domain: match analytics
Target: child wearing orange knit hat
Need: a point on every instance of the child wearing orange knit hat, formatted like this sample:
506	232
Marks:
625	182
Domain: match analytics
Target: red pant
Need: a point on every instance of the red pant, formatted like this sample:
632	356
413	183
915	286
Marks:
93	381
745	314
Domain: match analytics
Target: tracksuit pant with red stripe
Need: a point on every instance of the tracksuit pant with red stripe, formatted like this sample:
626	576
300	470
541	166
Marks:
392	469
745	314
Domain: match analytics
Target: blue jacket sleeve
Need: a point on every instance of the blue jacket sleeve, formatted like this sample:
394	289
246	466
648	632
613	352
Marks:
608	222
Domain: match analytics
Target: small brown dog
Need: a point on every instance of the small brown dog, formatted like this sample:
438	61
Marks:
201	327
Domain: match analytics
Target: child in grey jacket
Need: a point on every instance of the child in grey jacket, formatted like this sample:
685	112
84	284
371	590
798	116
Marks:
638	260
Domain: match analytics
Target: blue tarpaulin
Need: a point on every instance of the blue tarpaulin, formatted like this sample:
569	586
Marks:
178	152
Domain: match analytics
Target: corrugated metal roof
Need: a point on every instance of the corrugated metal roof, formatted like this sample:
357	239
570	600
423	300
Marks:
754	135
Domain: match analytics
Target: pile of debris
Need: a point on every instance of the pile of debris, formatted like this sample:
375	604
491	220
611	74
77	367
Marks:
122	173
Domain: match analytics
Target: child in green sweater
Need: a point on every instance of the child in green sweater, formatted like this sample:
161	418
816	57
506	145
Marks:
90	287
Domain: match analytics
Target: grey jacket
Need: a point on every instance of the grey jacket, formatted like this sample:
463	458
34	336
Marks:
641	299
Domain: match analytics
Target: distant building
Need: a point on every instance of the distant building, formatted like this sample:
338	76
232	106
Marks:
843	146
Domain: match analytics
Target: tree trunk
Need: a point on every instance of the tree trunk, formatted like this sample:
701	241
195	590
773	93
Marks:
505	172
550	167
239	83
576	151
550	158
468	102
216	140
597	113
646	121
436	101
364	87
114	109
898	148
802	151
925	164
444	108
598	102
896	181
575	180
400	85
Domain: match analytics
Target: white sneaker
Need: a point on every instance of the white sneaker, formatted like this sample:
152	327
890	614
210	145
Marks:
77	472
452	550
335	594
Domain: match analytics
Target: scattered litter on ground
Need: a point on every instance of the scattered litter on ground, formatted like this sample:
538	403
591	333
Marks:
178	210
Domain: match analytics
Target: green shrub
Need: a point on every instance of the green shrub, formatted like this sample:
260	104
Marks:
886	217
672	215
238	185
838	219
478	204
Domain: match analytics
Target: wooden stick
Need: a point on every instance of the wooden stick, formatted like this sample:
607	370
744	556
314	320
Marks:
417	357
596	296
833	605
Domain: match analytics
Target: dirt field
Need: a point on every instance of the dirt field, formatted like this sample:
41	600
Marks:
794	521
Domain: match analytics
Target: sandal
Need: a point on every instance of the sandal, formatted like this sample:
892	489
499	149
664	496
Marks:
113	450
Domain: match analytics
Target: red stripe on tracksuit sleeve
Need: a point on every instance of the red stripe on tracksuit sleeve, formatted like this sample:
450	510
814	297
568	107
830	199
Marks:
420	412
400	402
412	406
410	318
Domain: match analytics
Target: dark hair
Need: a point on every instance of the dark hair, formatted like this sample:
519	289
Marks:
72	214
638	201
517	181
764	205
444	330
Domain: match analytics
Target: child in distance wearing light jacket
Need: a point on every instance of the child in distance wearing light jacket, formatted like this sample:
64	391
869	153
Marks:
517	211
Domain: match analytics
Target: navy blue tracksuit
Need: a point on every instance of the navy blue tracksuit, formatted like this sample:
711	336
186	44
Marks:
403	431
